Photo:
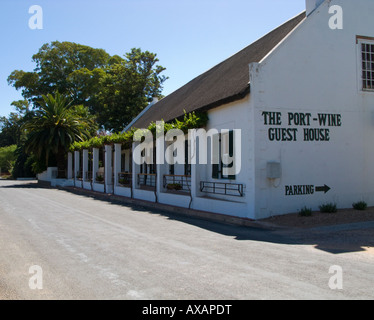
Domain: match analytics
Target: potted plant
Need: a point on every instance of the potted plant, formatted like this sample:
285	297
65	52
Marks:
99	178
174	186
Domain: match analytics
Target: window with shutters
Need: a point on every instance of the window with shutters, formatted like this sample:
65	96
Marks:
223	151
149	165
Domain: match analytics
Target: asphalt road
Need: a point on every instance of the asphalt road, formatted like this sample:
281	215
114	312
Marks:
92	249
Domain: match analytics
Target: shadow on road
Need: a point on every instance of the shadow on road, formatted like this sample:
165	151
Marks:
334	241
20	184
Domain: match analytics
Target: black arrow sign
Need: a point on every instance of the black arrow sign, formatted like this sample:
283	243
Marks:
323	189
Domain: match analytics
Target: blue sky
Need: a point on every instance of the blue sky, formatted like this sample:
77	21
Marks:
189	36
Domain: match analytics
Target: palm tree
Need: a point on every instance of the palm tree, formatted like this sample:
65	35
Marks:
54	126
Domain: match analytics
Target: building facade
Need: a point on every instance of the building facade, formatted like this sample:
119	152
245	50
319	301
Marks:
298	107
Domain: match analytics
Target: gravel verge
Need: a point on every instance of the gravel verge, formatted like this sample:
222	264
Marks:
317	219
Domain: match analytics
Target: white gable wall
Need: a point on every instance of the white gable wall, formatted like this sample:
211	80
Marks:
235	115
315	71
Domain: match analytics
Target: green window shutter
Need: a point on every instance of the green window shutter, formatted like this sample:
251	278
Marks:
231	143
187	165
231	152
216	141
215	171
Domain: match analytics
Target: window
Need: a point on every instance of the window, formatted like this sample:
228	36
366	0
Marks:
366	46
186	164
149	165
224	151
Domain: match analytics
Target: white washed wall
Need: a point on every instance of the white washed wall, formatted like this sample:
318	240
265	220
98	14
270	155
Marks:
315	71
235	115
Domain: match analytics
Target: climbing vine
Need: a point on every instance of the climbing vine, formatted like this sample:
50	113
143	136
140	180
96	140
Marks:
190	121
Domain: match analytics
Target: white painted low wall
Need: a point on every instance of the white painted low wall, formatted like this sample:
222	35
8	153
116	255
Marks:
144	195
99	187
78	183
48	175
177	200
62	182
236	209
122	191
87	185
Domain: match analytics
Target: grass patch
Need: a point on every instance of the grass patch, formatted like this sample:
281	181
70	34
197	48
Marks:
328	208
305	212
361	205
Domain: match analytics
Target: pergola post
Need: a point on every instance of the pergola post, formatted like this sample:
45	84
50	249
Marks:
95	163
117	162
76	166
108	171
70	166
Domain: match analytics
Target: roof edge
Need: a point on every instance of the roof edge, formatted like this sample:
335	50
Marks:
286	37
128	127
238	96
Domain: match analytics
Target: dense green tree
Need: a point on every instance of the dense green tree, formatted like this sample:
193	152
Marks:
54	126
127	88
24	163
55	63
7	158
10	127
10	130
114	89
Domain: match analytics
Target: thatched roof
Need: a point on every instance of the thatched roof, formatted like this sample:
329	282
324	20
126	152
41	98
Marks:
226	82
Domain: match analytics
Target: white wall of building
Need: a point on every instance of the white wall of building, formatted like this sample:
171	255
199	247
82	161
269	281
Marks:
235	115
314	72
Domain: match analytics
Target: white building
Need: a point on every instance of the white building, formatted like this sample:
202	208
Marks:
303	98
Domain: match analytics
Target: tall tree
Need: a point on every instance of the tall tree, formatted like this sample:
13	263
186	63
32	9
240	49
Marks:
55	63
54	127
127	87
115	89
11	127
7	158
